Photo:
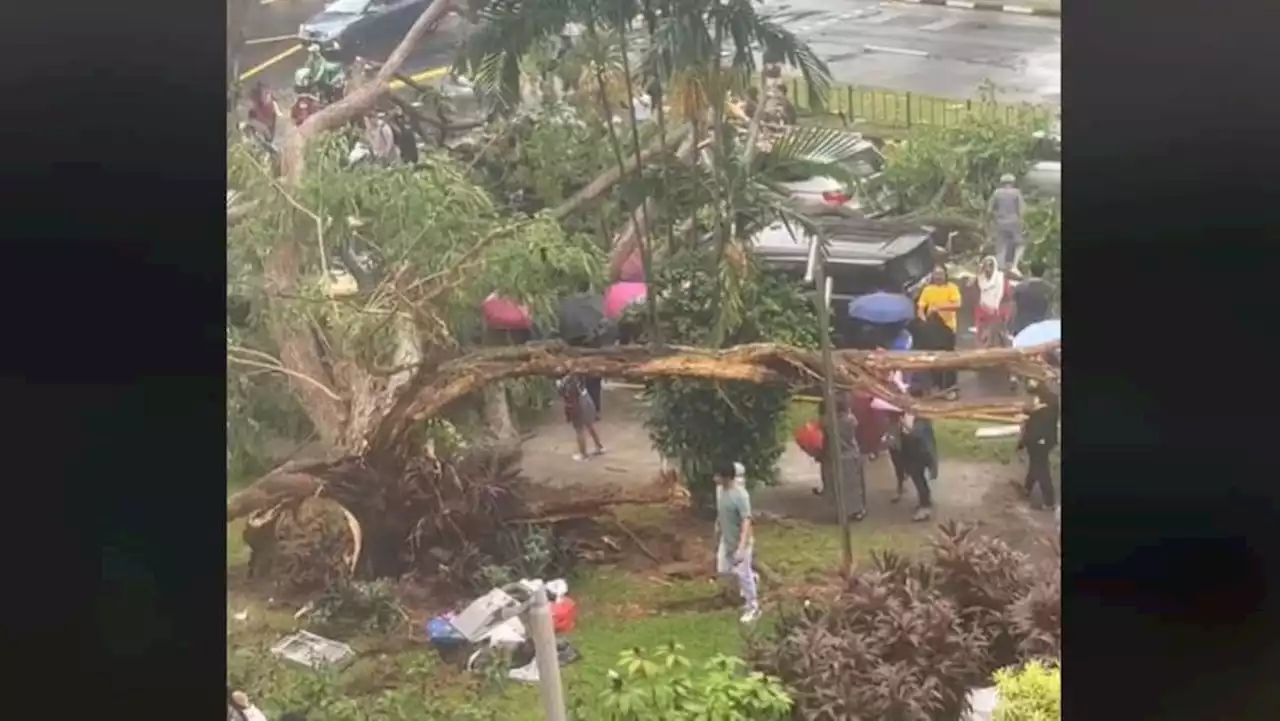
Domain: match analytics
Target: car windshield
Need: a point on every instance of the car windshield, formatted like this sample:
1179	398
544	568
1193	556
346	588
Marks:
347	7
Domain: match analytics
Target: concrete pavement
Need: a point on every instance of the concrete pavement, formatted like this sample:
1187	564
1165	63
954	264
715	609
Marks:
940	51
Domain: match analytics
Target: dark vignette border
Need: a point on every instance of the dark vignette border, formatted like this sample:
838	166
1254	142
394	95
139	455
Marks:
1170	494
114	183
113	187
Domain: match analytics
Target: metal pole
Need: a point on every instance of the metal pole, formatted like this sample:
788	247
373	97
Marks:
543	632
830	433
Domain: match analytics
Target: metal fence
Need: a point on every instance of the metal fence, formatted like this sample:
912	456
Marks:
897	109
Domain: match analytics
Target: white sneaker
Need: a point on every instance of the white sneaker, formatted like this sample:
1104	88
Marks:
579	457
750	615
599	451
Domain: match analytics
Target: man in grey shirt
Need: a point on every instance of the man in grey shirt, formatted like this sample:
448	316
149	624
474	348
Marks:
1006	208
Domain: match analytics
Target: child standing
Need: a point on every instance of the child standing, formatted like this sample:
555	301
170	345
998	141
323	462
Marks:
917	455
580	412
734	535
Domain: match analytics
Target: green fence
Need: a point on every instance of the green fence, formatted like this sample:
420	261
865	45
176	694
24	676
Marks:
897	109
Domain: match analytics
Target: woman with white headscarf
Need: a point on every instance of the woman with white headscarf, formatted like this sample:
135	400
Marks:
995	297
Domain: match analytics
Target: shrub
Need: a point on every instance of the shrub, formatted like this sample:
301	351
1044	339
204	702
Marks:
908	639
1032	693
698	423
663	684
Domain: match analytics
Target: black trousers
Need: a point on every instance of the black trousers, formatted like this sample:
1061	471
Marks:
904	467
593	389
1038	473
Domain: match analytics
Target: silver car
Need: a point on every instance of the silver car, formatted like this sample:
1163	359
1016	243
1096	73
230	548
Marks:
820	193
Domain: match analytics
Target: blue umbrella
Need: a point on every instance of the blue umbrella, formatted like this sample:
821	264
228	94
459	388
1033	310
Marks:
882	307
1046	331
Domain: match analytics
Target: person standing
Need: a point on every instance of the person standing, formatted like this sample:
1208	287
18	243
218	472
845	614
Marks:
853	485
993	310
580	412
1031	299
1039	438
263	111
917	453
939	305
1006	208
735	538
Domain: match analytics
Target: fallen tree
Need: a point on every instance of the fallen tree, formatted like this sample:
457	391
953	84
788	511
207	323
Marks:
434	389
399	500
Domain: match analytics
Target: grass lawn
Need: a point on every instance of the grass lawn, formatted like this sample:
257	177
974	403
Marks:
617	610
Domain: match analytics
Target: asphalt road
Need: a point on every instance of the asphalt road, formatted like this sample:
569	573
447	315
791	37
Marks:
917	48
927	49
272	54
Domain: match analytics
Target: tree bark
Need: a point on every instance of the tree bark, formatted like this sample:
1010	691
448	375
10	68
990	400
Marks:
755	363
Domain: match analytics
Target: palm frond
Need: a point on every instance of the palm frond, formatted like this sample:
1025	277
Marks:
778	41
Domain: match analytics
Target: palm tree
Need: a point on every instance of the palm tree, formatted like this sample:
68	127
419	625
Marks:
683	45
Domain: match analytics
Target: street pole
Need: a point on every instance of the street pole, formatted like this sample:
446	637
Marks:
830	433
543	632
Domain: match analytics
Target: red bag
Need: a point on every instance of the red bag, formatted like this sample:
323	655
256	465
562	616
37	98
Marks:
564	615
810	439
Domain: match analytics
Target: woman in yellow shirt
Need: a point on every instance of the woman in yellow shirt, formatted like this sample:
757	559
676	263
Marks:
938	305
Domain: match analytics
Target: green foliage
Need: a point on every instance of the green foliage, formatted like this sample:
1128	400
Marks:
960	165
532	552
420	222
1043	222
538	161
428	231
1031	693
357	607
701	423
278	686
663	684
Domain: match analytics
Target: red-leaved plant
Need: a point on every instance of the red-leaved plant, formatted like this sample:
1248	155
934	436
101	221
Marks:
908	639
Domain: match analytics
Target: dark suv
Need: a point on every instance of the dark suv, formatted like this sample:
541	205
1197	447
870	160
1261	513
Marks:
863	256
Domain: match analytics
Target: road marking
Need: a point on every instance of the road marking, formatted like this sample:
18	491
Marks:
276	39
942	24
421	77
1019	10
895	51
269	62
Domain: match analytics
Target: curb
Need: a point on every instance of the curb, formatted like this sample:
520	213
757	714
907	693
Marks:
989	6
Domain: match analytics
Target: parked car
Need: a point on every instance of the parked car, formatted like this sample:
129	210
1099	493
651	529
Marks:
352	26
869	196
863	256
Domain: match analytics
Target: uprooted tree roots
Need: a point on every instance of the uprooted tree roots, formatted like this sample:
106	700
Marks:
396	507
433	517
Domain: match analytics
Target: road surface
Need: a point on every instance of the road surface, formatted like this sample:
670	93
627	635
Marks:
918	48
928	49
273	54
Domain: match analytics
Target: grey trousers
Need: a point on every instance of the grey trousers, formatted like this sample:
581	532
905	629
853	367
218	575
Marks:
1010	245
